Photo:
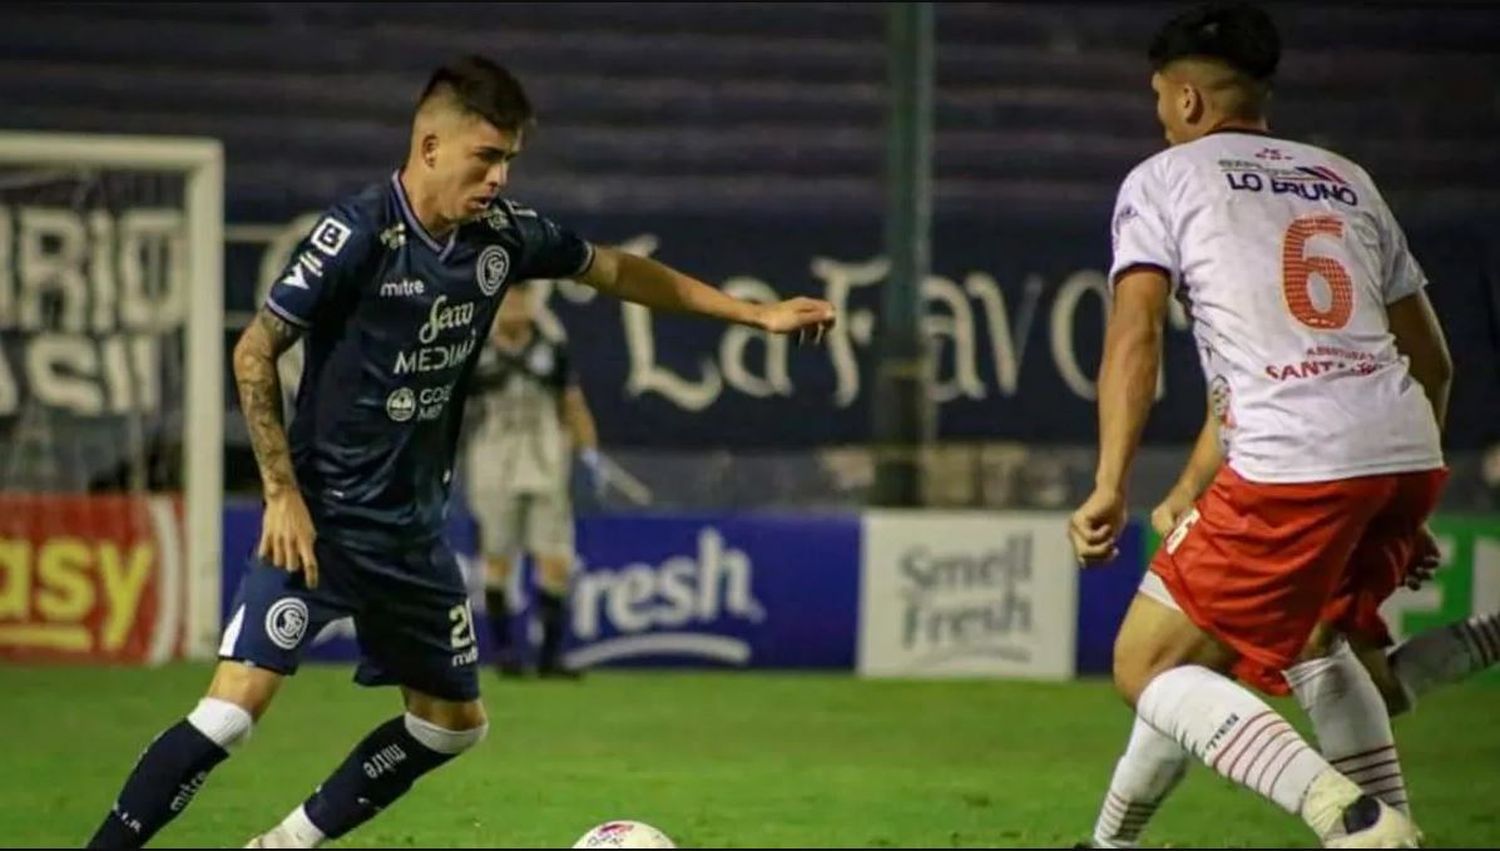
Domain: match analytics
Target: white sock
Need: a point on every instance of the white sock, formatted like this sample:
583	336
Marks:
1148	770
1240	737
223	723
295	831
1349	716
1447	654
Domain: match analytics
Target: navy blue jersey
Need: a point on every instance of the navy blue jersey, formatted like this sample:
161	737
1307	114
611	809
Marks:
393	321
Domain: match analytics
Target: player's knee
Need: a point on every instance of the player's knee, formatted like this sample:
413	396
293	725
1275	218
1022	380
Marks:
554	571
1132	673
1136	658
1156	637
448	714
246	687
497	570
223	723
460	732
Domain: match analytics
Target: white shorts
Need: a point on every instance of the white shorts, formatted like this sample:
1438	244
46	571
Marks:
1152	586
539	524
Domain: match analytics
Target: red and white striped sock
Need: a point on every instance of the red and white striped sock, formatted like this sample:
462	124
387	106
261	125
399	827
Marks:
1447	654
1350	719
1146	773
1240	737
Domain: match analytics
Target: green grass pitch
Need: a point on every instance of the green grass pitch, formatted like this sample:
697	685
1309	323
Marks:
714	759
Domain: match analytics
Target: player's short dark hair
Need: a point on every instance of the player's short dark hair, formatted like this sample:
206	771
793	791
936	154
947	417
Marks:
1240	35
484	88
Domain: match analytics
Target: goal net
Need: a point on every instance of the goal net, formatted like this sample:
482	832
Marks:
111	397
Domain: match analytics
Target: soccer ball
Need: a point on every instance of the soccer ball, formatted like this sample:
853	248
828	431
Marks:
624	834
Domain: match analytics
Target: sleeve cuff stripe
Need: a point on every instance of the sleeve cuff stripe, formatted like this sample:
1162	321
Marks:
282	312
1131	267
588	261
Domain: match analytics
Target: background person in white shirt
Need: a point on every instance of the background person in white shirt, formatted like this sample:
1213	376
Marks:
529	417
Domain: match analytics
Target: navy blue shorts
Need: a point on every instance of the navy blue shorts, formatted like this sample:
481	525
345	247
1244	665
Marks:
410	609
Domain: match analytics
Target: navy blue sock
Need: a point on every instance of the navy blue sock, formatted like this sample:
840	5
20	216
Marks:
164	781
552	611
498	611
378	771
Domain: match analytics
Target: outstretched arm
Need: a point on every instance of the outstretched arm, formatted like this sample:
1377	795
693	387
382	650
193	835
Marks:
660	287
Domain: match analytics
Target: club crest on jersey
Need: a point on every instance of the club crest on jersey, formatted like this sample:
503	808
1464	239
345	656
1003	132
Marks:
491	268
401	405
286	622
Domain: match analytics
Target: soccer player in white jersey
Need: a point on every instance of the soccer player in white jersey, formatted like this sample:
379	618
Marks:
1328	376
1148	772
529	416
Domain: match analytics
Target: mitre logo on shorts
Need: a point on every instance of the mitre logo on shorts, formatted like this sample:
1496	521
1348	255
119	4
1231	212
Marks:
286	622
491	268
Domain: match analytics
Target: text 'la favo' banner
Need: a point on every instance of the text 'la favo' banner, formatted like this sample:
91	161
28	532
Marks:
1014	313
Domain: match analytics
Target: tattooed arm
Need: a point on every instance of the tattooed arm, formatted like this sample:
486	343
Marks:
287	534
255	357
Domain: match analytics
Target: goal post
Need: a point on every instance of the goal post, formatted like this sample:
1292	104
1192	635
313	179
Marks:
112	307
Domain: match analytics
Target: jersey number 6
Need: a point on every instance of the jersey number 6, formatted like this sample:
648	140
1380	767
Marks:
1297	267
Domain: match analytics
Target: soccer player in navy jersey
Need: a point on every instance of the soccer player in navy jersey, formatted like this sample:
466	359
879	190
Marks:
392	291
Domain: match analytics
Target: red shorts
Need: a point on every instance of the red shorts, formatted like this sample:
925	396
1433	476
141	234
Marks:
1262	565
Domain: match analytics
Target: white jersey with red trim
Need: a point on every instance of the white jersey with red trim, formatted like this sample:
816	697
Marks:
1286	257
